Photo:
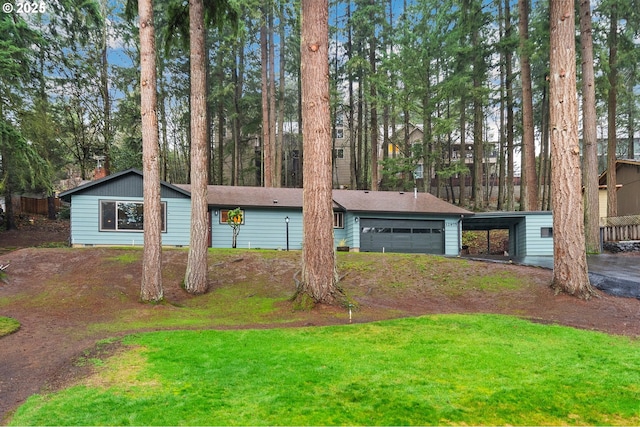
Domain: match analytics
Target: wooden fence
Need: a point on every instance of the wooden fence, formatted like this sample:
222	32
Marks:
30	205
621	229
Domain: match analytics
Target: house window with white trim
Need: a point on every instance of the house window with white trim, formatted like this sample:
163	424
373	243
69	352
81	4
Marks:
118	215
338	220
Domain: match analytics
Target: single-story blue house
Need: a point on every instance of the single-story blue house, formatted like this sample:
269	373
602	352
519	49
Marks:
108	211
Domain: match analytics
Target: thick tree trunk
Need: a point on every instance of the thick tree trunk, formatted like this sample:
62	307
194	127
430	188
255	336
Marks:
569	260
195	281
319	275
589	134
151	287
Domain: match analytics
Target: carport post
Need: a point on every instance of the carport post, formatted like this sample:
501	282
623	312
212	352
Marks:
488	242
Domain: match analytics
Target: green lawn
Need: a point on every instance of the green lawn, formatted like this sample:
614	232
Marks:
445	369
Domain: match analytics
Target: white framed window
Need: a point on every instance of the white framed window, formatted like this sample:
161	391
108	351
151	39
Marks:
117	215
338	153
338	133
338	220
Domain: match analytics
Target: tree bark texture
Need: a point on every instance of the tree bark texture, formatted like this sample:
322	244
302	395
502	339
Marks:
570	260
151	287
275	148
195	280
267	144
510	196
612	101
319	276
589	133
529	184
373	92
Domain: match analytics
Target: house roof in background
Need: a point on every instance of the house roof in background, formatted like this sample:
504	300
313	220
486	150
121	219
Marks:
620	162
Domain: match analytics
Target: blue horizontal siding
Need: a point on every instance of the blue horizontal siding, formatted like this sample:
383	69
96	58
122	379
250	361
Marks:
536	245
262	229
85	223
266	229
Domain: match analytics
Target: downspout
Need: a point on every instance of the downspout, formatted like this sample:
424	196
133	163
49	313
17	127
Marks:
460	235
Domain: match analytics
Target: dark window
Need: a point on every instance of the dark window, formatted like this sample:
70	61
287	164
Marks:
421	231
402	230
125	216
338	153
338	220
108	215
546	232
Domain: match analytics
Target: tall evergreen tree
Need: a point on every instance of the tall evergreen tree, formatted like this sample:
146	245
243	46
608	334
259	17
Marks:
319	275
589	133
569	260
529	184
195	280
151	288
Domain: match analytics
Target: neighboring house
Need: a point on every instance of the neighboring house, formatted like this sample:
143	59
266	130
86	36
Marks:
109	212
628	185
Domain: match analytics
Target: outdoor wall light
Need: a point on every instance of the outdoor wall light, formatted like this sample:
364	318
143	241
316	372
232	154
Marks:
215	212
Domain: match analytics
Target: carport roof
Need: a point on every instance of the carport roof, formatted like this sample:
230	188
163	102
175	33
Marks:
496	220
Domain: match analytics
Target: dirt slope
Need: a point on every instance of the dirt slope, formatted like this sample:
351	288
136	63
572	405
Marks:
42	354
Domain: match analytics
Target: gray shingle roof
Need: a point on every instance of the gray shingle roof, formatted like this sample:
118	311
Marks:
350	200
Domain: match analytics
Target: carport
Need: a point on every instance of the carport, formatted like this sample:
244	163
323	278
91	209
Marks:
530	233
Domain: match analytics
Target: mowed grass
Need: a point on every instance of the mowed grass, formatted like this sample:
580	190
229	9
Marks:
444	370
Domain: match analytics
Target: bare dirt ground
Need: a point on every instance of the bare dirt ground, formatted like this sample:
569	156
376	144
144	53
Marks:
43	354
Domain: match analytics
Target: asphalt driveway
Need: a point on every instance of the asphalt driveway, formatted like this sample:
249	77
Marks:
617	275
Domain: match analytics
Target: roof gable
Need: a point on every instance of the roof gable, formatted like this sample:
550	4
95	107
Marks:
128	183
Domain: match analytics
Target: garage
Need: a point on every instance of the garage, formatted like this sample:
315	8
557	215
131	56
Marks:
401	235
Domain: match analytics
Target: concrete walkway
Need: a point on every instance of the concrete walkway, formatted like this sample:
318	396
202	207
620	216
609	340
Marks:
614	274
